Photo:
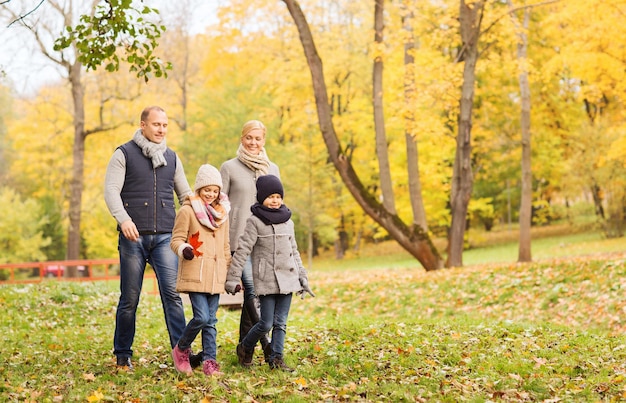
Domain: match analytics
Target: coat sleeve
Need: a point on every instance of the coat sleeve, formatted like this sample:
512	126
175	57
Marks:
226	226
244	248
225	174
180	233
302	274
181	186
113	183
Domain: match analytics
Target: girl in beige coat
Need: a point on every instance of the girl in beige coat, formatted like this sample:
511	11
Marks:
200	239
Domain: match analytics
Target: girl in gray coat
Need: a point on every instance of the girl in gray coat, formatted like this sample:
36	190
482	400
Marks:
277	269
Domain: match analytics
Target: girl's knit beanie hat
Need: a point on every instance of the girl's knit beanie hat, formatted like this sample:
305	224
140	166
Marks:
207	175
267	185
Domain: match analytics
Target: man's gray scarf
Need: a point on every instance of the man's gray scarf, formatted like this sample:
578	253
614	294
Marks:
154	151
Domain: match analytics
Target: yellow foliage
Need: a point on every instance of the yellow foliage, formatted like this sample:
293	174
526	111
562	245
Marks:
250	65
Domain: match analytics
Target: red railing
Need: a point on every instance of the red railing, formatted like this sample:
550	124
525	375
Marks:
85	270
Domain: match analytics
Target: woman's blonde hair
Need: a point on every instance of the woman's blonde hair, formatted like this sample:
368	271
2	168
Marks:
251	125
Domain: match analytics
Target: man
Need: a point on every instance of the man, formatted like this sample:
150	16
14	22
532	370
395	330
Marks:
139	187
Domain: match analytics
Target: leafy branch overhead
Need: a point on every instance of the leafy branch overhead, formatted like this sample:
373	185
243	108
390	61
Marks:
117	24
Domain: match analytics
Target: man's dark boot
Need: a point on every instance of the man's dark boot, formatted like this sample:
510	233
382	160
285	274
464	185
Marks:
250	315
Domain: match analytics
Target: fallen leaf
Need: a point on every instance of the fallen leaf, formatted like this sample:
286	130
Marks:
89	377
95	397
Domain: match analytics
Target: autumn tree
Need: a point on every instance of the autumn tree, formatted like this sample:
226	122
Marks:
179	45
386	183
21	229
591	69
577	122
470	23
77	37
410	95
413	239
5	110
524	254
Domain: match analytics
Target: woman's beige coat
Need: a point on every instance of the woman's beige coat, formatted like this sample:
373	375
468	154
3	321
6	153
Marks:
205	273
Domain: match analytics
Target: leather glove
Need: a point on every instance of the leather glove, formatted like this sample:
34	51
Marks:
232	287
305	288
188	253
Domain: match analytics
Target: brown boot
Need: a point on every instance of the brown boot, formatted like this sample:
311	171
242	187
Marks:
278	363
244	356
267	349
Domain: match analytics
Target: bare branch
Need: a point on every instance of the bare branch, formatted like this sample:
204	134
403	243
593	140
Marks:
514	9
21	17
104	128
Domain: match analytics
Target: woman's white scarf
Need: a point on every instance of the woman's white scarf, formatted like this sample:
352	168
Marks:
154	151
209	216
257	163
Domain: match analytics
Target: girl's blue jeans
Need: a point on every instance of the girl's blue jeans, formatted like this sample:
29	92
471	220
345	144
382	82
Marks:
204	319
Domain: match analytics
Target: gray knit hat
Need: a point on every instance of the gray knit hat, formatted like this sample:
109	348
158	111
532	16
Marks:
207	175
267	185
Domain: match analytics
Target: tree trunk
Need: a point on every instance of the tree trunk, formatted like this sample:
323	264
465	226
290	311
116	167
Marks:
470	17
78	154
414	239
415	184
525	214
379	119
598	199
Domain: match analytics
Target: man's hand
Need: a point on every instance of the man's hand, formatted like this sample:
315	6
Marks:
129	229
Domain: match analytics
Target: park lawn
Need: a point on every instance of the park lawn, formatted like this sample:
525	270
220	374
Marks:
546	331
498	247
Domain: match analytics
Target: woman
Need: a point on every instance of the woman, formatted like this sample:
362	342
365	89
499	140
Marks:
239	177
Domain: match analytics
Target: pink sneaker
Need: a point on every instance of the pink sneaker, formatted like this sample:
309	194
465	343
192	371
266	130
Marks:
211	367
181	360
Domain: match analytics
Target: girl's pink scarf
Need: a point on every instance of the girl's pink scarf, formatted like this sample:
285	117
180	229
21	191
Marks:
211	216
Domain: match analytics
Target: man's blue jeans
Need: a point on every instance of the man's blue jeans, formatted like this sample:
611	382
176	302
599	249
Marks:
204	319
153	249
274	313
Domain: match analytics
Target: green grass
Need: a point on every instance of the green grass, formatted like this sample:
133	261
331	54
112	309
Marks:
389	254
547	248
381	329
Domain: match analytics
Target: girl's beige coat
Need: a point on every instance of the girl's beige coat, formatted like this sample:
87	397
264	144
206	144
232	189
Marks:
205	273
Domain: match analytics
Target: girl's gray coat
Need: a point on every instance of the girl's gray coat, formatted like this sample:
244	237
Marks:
276	264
